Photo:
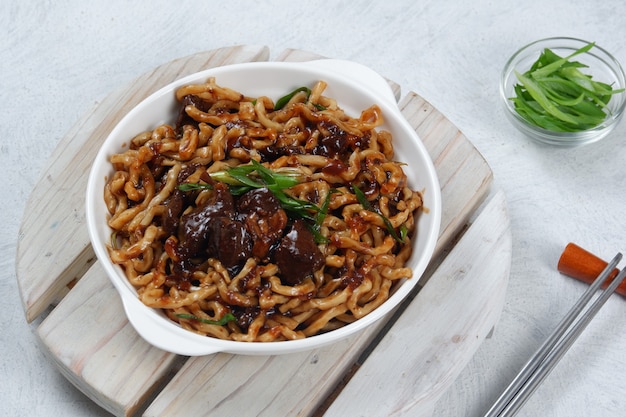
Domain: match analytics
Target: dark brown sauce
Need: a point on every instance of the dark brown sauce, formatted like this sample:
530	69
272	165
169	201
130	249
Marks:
234	230
254	225
335	167
337	142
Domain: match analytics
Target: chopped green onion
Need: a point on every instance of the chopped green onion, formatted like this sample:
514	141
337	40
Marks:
192	186
273	177
282	102
367	206
241	180
114	244
556	95
553	62
320	216
239	176
226	318
537	93
404	231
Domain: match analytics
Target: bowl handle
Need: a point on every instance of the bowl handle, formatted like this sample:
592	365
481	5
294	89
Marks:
162	334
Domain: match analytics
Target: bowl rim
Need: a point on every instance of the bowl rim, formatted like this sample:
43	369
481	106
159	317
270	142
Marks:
555	137
146	319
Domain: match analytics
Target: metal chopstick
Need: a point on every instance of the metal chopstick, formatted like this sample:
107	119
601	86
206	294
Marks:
553	349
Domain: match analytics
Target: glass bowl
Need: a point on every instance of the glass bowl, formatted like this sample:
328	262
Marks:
602	66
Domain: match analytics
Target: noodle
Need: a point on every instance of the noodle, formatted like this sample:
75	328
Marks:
227	258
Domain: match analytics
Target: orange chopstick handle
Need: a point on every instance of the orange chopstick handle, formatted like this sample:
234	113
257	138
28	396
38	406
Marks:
578	263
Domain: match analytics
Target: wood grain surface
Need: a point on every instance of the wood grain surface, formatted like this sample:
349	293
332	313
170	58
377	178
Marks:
407	362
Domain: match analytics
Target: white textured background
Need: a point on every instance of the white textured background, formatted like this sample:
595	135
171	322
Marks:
59	58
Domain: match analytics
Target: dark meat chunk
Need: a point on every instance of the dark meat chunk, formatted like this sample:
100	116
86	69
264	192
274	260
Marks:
183	117
176	202
194	227
336	142
264	218
173	207
297	255
229	242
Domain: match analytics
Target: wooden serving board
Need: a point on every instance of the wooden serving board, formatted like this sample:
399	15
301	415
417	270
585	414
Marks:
399	366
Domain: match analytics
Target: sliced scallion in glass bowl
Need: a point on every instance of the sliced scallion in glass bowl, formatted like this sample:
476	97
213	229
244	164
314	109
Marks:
563	91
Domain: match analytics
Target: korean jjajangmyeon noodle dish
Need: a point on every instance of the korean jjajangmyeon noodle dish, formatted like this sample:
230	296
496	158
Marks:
256	220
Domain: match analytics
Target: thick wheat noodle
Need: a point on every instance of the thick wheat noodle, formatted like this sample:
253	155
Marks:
359	311
135	275
144	262
218	143
320	320
259	108
209	90
363	261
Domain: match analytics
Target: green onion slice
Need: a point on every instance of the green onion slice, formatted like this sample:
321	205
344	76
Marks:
360	196
192	186
282	102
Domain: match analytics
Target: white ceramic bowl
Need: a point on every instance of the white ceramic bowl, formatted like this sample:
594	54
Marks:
356	88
